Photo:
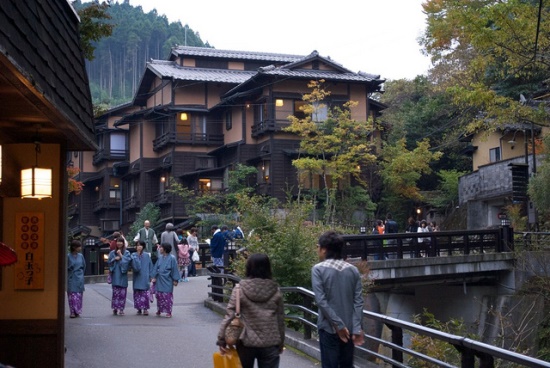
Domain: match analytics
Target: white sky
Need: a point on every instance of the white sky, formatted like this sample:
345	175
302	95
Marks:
373	36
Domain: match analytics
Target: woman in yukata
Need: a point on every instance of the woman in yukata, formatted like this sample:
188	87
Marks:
165	276
119	262
142	267
76	266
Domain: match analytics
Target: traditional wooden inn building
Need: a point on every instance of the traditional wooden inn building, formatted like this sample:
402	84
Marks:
193	118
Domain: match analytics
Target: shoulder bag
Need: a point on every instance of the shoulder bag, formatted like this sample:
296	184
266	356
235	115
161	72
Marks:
235	328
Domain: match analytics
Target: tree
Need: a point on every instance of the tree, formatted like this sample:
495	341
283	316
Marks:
94	25
487	53
332	145
539	187
401	169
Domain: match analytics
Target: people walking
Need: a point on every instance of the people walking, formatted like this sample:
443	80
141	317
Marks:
338	294
119	262
142	268
217	246
169	236
149	236
262	309
165	276
76	267
183	259
193	247
424	242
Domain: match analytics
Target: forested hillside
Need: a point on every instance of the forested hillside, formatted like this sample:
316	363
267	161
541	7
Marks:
119	60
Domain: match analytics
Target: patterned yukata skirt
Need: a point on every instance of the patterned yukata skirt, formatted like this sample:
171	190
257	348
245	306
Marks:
141	299
165	302
75	302
217	261
119	298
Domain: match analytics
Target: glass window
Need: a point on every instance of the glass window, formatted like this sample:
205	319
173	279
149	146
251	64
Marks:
298	109
320	112
283	109
205	185
118	143
494	154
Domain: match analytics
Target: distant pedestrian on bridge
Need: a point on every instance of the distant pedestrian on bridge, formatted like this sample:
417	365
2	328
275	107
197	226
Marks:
339	297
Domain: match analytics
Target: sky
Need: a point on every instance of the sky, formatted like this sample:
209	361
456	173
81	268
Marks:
372	36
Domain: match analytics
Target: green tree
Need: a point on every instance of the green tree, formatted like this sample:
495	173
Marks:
332	145
94	25
539	187
401	169
485	54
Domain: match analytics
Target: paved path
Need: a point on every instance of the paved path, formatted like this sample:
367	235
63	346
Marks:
187	340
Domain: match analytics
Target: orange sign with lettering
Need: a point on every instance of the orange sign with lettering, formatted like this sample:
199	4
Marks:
29	246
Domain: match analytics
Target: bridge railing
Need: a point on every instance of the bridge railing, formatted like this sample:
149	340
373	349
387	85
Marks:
432	244
473	353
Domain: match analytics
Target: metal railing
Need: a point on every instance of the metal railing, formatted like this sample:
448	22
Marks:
470	350
432	244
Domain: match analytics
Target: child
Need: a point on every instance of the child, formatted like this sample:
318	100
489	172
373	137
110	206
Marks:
183	259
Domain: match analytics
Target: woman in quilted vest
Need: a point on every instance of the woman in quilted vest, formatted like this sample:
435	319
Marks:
262	312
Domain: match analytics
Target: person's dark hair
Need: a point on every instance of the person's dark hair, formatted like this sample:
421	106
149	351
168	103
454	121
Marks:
379	223
258	266
214	227
333	243
183	240
224	227
142	243
193	230
167	247
389	216
75	244
120	239
179	231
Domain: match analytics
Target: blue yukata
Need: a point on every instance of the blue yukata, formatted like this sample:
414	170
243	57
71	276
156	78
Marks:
76	266
142	269
119	277
165	272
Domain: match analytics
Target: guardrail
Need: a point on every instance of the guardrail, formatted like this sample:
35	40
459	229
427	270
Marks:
473	353
432	244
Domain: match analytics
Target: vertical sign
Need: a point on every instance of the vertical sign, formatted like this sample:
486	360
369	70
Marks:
29	246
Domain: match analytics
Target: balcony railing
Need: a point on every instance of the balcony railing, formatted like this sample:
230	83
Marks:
109	155
208	139
106	204
162	198
132	202
266	126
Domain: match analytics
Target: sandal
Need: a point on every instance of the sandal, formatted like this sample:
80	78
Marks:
145	312
168	315
121	313
72	315
158	313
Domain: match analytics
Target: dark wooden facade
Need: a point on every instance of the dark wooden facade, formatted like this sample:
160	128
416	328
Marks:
198	114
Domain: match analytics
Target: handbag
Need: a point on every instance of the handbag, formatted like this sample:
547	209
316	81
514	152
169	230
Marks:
235	328
195	257
228	360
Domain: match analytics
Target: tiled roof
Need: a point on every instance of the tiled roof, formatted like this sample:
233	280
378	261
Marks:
316	74
231	54
172	70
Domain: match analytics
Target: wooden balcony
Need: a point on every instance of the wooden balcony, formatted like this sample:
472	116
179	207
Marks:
109	155
130	203
104	204
268	126
162	198
206	139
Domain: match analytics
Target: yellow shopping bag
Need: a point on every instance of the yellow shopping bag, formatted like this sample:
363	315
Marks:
227	360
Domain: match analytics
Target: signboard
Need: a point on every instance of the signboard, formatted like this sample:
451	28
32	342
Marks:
29	246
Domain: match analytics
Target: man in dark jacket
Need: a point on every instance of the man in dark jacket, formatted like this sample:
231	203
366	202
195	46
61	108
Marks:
217	246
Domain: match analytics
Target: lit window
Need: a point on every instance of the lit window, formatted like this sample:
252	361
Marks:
205	185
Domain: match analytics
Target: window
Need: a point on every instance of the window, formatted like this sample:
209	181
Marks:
118	144
283	109
298	109
494	154
260	113
228	120
204	185
320	112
